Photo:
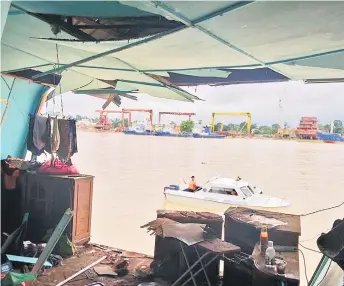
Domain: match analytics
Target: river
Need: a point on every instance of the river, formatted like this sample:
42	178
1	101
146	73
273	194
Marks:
131	172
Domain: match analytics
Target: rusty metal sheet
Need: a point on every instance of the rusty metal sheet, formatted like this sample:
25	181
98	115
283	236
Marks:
189	233
155	227
261	220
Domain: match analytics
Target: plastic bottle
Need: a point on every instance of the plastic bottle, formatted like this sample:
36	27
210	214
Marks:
264	238
270	254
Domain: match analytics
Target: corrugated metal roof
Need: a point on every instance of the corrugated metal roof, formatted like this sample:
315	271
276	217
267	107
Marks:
250	41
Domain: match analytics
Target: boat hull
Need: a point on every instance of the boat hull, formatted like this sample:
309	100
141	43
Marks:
210	136
169	134
133	132
198	203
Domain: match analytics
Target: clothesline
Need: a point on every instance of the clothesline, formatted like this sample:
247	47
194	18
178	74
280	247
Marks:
69	117
52	135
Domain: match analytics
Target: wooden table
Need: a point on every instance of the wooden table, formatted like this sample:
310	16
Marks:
266	276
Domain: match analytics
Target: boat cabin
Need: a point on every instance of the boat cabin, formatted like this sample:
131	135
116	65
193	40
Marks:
226	186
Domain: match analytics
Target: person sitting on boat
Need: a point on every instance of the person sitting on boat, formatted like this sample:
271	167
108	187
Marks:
234	193
192	185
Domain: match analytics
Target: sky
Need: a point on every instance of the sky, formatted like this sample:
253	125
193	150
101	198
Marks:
268	103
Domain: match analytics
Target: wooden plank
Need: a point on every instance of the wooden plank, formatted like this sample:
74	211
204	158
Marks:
109	100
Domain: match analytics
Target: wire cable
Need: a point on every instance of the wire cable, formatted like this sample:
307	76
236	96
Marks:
304	264
310	249
58	65
308	239
321	210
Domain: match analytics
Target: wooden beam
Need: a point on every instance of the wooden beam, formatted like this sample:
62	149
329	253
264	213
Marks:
43	100
109	100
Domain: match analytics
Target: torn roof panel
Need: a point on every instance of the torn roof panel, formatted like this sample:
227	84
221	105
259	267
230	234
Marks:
235	76
122	25
105	9
51	80
29	26
210	73
267	32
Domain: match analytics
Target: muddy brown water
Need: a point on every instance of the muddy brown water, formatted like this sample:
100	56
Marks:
131	172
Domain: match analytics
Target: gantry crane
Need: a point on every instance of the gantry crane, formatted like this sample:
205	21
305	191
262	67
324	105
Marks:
176	113
104	122
247	114
150	111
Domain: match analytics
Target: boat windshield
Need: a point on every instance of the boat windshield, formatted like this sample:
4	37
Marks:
246	191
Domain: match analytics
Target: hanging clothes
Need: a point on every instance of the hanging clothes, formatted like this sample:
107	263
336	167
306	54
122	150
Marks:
73	138
39	128
47	135
55	136
64	150
29	142
68	141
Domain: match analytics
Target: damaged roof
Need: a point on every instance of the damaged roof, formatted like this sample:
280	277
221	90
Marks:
120	47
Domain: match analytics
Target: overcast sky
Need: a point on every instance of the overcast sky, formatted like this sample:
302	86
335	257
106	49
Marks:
326	101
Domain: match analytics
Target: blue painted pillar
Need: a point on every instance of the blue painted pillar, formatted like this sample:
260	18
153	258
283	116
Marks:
19	98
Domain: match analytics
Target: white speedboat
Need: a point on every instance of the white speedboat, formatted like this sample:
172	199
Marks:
223	191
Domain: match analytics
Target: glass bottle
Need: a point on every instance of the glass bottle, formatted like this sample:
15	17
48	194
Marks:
270	255
264	239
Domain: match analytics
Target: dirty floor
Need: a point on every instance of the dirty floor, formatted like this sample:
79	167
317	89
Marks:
139	266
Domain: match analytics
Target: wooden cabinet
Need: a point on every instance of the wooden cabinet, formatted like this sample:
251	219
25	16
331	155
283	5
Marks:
46	197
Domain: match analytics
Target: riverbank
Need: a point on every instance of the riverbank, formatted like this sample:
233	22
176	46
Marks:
112	131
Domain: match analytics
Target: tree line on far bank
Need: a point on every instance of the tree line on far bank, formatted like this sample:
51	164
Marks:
188	125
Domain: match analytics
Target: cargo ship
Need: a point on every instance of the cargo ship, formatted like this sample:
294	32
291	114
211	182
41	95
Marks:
307	128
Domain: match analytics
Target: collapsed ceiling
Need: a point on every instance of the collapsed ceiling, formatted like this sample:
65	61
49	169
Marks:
110	47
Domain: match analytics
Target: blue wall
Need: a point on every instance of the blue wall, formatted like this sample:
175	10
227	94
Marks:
23	99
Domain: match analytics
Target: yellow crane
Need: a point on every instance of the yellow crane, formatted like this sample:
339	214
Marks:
247	114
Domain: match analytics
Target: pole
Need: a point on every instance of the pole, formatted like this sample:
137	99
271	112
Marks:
122	119
159	117
248	123
129	116
212	124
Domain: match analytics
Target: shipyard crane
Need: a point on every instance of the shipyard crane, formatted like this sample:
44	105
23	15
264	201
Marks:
104	122
247	114
150	111
176	113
